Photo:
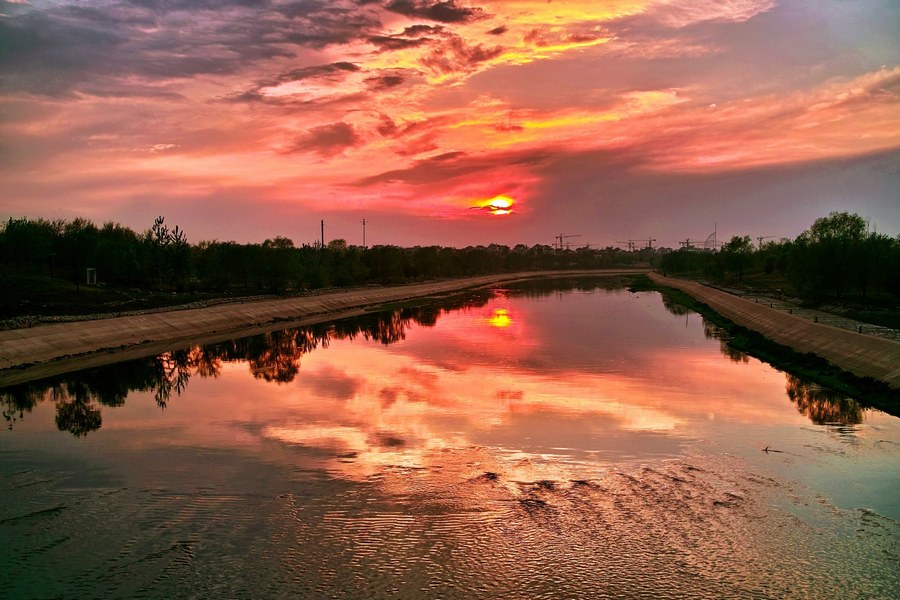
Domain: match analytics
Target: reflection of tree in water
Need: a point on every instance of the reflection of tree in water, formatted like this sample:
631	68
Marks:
18	400
274	356
675	308
822	406
205	364
75	409
714	332
710	330
172	372
542	288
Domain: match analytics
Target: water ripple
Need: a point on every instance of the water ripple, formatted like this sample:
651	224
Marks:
479	527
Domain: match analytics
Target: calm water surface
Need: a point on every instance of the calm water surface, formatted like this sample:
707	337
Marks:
578	442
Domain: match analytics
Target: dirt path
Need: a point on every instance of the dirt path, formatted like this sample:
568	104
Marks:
860	354
32	353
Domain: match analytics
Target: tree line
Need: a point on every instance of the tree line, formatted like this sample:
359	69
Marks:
162	258
836	257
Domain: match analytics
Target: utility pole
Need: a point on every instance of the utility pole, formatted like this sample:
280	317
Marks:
364	233
322	224
760	238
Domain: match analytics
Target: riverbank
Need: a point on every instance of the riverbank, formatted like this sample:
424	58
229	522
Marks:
32	353
864	356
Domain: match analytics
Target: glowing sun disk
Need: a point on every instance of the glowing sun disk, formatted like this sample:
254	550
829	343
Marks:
498	205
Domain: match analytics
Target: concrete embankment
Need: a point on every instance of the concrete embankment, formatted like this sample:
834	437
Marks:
860	354
31	353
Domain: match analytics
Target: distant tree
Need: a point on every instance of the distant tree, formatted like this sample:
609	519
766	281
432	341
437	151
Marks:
338	245
158	238
831	246
279	263
874	262
30	245
171	253
79	241
737	254
179	257
386	264
425	262
891	274
118	254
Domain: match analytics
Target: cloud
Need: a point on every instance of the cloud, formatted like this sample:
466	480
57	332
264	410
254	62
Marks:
544	37
383	82
327	140
444	12
840	118
388	42
681	13
419	30
326	80
450	165
454	55
64	48
309	72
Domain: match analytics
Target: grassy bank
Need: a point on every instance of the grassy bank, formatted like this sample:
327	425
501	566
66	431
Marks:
866	390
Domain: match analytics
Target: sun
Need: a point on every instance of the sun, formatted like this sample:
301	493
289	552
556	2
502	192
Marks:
498	205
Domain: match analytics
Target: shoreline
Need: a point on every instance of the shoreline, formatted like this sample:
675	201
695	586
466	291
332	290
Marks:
859	354
28	354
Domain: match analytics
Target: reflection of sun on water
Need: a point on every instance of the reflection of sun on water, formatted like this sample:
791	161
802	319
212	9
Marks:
500	318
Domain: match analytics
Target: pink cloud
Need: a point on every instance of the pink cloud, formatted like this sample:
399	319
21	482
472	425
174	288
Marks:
681	13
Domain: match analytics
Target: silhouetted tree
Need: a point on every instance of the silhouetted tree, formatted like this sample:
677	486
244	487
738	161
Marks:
737	253
79	243
831	245
118	254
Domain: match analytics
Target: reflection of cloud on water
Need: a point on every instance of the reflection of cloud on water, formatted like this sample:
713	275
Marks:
428	408
330	383
359	452
325	436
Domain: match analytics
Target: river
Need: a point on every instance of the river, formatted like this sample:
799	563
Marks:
545	440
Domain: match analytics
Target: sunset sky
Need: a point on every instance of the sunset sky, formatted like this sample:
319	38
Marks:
452	122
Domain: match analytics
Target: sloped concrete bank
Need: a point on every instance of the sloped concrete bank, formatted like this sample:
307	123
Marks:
31	353
860	354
